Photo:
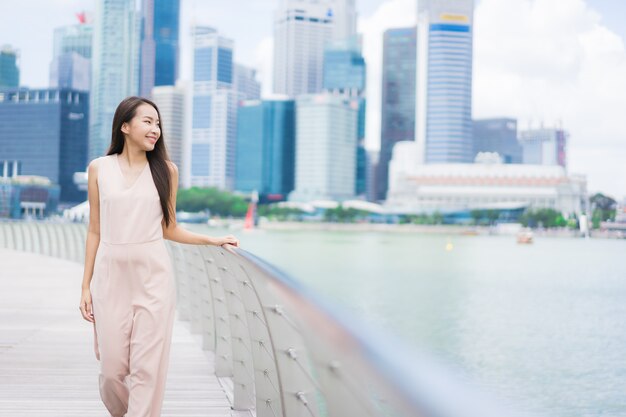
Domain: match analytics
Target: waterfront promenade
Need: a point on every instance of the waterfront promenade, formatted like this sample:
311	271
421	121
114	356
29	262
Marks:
47	363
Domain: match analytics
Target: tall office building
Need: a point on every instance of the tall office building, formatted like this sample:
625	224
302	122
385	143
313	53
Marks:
114	69
326	147
301	30
173	105
214	112
245	83
444	81
9	71
55	145
398	98
544	146
344	74
159	44
266	148
498	135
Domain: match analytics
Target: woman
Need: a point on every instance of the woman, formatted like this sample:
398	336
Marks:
131	299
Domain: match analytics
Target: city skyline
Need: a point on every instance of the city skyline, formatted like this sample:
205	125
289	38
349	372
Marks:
570	71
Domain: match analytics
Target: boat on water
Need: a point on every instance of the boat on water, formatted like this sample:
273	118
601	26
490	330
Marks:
525	237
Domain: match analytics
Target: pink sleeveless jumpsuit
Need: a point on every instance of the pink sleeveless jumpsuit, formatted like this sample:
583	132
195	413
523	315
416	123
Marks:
133	294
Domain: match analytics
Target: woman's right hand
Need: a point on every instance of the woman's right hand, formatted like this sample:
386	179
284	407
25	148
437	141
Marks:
86	308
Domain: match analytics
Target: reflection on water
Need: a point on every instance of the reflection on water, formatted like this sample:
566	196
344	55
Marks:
540	326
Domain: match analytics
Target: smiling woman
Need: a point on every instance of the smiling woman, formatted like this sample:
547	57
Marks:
128	290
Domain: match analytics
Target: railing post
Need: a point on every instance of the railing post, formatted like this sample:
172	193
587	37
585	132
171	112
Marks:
243	371
222	340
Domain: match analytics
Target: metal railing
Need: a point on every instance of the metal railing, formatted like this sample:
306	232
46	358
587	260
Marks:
288	352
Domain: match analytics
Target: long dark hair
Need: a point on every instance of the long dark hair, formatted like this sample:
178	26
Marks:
157	158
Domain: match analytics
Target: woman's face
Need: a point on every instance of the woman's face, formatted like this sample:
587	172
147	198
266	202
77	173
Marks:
144	129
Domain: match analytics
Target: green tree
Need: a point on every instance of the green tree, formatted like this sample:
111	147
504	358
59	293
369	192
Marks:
219	202
602	209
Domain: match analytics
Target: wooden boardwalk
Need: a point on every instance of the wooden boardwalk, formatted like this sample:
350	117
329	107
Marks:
47	363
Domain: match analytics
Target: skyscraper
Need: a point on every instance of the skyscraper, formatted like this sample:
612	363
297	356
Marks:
444	81
398	98
159	44
45	132
9	72
326	147
498	135
214	112
344	74
115	67
301	30
71	59
266	148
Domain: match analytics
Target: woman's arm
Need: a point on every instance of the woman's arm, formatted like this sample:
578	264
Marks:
176	233
93	239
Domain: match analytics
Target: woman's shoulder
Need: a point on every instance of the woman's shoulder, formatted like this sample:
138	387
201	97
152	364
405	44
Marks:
95	163
172	166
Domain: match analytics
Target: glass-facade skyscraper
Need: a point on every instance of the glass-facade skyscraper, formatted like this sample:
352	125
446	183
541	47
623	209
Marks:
266	148
345	74
45	131
214	114
9	72
398	98
444	81
115	67
326	148
159	44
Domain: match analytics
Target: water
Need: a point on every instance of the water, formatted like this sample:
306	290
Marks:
541	327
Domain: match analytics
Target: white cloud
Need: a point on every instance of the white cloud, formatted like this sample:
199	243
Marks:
264	55
552	61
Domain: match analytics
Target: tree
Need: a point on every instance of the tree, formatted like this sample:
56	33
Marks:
602	209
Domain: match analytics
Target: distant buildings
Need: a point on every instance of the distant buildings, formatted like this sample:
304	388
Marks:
44	133
444	81
159	44
115	67
71	60
544	146
498	135
301	30
9	71
398	98
27	196
345	75
325	147
266	148
214	112
448	188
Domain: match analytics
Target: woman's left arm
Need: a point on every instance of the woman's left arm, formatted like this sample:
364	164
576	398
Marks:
176	233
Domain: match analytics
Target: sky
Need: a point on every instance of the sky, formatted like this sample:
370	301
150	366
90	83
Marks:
544	62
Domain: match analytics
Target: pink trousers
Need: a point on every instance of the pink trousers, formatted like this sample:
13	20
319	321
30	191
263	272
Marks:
134	298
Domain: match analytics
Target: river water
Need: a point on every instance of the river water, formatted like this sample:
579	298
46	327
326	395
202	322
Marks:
541	327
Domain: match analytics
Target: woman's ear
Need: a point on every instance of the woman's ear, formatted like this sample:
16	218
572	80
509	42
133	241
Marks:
124	128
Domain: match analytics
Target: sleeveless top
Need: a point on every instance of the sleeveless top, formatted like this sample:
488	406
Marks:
128	214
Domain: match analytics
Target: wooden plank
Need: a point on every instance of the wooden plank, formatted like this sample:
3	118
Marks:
47	364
